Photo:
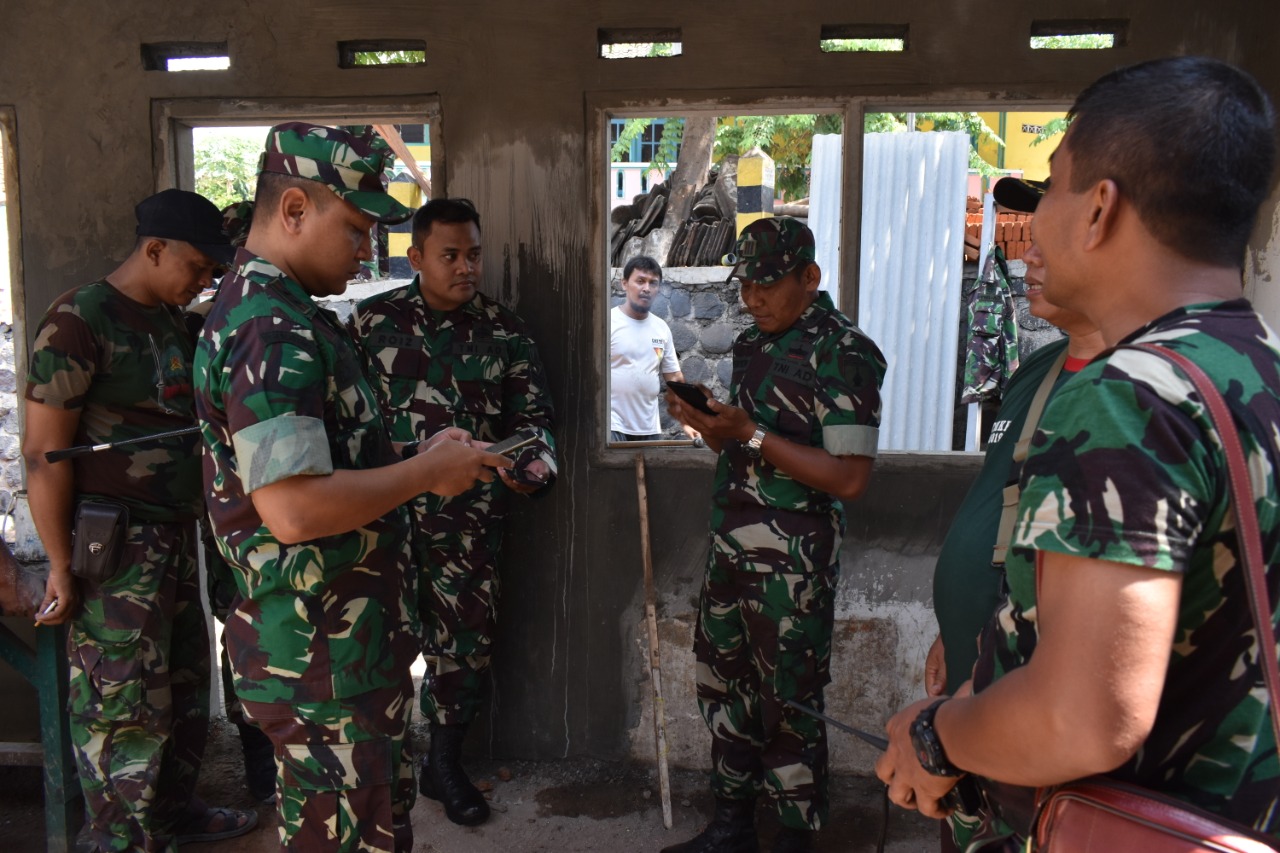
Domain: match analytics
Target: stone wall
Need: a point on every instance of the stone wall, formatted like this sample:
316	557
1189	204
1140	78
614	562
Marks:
10	444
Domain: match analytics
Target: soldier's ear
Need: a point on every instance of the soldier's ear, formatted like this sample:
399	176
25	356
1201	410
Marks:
1104	213
811	277
153	249
294	205
415	258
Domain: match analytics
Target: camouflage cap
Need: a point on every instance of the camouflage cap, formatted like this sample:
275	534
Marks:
349	165
769	248
236	219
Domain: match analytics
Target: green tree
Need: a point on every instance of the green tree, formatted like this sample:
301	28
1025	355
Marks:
1083	41
389	57
226	168
1052	128
664	157
788	140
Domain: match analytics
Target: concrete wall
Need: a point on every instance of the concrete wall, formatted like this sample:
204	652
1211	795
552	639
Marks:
516	95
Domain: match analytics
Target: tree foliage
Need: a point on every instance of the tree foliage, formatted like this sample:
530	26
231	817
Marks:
1084	41
226	168
1052	128
389	57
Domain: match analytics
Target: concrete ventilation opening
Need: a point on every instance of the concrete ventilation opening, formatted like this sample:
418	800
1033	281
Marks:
639	43
863	38
185	56
1098	34
382	53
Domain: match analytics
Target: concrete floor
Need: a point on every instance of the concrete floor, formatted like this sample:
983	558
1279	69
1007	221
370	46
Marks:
574	806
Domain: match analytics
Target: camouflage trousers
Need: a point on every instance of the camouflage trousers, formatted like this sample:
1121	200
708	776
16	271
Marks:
763	638
139	690
457	600
344	780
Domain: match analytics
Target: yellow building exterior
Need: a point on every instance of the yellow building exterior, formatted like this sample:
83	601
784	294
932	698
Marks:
410	196
1019	130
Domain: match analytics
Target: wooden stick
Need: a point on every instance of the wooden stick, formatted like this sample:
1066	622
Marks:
655	659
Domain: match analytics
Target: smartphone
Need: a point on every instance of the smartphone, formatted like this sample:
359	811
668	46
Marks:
509	445
692	395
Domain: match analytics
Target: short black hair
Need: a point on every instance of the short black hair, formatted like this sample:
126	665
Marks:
1190	141
271	186
451	211
643	263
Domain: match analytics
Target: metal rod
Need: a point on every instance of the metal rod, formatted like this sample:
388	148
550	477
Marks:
83	449
876	741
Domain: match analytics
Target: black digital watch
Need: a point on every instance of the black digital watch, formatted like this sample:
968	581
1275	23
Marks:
928	746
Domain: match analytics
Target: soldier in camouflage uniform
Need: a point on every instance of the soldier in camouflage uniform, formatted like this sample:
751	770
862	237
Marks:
447	355
799	438
1125	645
112	362
306	500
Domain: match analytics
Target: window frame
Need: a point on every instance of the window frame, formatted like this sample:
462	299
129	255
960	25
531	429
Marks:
172	121
603	106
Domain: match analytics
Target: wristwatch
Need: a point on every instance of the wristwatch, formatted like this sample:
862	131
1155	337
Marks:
928	746
752	447
410	449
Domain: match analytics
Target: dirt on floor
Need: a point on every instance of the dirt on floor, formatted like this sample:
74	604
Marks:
568	806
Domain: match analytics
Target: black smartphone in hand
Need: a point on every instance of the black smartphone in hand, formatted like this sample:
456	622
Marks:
693	395
508	446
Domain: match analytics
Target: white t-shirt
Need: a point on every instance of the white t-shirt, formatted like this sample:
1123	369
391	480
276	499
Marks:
640	351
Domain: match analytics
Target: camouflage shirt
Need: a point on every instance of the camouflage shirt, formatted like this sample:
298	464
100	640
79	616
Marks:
1126	467
126	367
474	367
281	393
816	383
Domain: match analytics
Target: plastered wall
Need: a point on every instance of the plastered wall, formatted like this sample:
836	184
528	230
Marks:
519	89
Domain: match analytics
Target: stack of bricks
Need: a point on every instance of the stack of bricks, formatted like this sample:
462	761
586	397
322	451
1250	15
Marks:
1012	231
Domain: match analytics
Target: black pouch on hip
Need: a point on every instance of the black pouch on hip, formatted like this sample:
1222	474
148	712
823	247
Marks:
97	540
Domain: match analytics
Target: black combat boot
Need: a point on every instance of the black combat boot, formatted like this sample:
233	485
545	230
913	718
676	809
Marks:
444	779
790	840
259	763
733	830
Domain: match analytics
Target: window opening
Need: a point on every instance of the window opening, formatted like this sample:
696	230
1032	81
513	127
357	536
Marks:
225	162
923	244
382	53
692	183
11	358
863	38
186	56
1078	35
639	43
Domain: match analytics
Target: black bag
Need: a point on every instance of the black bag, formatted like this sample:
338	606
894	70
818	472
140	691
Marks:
97	540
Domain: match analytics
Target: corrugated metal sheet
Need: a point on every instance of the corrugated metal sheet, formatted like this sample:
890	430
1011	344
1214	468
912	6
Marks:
826	180
913	205
909	282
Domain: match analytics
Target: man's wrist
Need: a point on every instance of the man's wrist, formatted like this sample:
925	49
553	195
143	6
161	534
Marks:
928	745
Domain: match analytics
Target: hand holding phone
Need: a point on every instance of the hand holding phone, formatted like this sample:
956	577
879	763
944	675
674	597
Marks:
513	443
692	395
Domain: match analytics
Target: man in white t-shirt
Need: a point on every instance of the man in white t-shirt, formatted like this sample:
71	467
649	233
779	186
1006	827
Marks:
640	348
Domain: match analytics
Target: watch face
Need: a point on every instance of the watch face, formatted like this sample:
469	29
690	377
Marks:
923	744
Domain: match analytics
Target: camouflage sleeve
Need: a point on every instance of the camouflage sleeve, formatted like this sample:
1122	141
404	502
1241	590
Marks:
847	395
1117	471
526	400
63	359
275	405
